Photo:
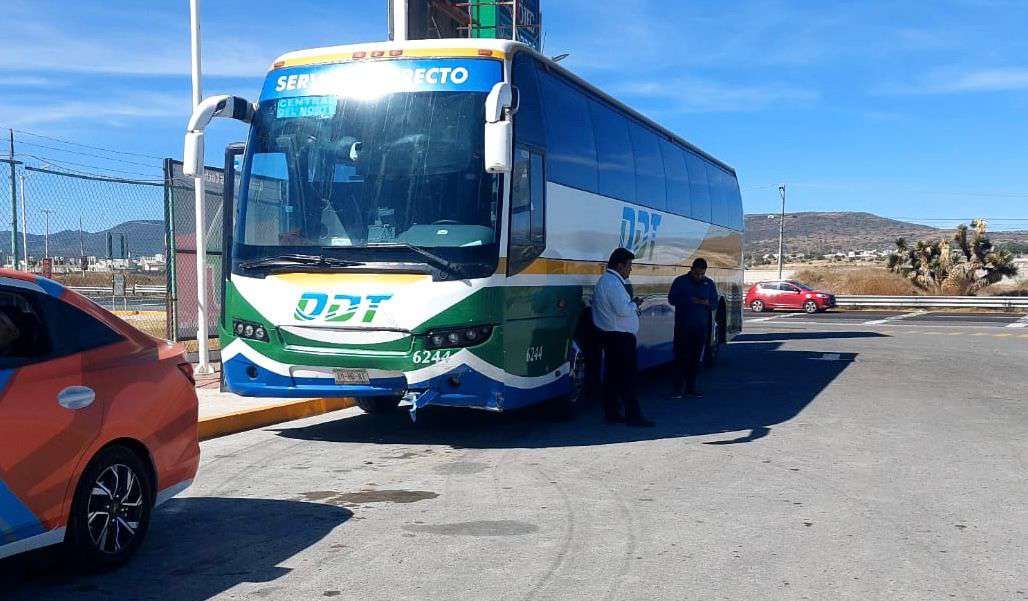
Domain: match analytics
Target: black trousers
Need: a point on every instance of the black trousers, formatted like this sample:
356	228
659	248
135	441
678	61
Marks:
689	343
619	349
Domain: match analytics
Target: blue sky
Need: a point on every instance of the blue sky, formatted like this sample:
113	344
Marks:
890	107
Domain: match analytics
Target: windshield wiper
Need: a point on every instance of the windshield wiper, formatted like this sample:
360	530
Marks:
292	259
432	258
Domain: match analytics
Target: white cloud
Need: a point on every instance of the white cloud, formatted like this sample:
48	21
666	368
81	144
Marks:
23	81
111	111
1006	79
697	95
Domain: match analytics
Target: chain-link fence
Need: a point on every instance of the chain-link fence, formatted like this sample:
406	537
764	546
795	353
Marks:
104	237
181	215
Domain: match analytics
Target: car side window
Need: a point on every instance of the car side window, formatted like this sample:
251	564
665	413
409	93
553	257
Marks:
789	288
41	327
23	337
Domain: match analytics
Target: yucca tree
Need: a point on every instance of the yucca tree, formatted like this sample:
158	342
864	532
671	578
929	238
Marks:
933	265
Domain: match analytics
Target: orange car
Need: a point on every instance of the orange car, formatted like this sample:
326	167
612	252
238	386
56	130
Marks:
97	423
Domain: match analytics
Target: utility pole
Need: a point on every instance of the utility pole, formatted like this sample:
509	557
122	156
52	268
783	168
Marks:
46	234
83	261
203	366
24	224
14	209
781	233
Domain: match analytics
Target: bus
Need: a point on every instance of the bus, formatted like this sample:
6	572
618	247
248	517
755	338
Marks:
426	220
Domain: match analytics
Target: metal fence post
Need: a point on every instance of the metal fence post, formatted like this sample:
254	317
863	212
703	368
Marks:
14	209
170	294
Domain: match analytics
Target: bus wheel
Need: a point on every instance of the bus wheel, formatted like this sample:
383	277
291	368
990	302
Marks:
716	338
378	404
570	404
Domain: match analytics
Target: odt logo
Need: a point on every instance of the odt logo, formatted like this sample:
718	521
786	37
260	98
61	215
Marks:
338	307
639	231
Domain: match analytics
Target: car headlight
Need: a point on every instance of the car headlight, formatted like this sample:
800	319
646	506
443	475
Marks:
822	296
457	337
249	330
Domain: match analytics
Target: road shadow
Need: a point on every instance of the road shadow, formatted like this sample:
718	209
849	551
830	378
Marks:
771	336
755	386
196	549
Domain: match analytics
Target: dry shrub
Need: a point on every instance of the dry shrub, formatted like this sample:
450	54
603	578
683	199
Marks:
1012	289
875	281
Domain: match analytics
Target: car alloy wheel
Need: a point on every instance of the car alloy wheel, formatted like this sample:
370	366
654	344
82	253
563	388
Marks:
810	307
115	509
757	306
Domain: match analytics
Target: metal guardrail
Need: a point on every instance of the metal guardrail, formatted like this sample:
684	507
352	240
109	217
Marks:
131	290
979	302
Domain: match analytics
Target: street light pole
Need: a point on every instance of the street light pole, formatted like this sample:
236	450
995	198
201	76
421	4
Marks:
46	234
203	366
781	233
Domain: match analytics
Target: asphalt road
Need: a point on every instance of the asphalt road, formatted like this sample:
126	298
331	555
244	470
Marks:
912	317
826	462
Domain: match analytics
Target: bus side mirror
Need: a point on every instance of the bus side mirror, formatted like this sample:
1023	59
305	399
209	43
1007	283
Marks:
499	130
192	154
229	107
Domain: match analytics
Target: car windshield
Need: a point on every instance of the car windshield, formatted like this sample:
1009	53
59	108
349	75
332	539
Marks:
360	168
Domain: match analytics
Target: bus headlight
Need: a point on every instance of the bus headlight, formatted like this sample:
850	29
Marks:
457	337
249	330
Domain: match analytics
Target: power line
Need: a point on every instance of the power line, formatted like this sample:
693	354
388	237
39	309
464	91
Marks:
69	142
63	163
87	154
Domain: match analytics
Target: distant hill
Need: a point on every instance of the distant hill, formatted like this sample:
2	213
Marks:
842	232
141	237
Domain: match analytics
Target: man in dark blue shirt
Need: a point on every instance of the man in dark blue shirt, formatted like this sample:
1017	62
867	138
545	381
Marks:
693	296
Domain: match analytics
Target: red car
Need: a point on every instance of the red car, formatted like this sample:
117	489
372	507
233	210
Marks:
788	294
97	419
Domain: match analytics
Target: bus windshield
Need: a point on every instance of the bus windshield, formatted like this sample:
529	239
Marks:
343	173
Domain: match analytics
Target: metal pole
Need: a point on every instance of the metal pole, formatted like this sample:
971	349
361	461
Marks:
14	209
203	366
400	28
781	233
513	21
24	224
46	234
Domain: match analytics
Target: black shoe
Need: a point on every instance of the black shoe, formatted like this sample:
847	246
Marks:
640	422
615	419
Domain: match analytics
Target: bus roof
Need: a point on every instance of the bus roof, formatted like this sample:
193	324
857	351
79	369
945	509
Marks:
484	47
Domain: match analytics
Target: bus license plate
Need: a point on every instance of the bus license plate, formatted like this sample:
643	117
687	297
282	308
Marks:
352	376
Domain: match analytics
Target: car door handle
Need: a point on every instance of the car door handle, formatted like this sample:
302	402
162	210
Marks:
76	397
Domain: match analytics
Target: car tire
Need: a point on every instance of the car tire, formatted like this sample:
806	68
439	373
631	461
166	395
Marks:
117	481
810	307
379	404
758	306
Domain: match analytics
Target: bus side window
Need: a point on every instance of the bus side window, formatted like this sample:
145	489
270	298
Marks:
527	210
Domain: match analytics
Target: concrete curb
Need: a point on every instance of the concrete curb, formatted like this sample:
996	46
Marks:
223	425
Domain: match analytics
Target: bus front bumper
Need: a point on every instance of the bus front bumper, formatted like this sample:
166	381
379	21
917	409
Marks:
459	387
246	378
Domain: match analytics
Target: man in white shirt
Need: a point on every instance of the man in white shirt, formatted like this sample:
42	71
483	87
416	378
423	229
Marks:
616	316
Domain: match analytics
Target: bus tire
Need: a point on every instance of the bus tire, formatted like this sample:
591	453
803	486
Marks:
716	337
378	404
569	405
